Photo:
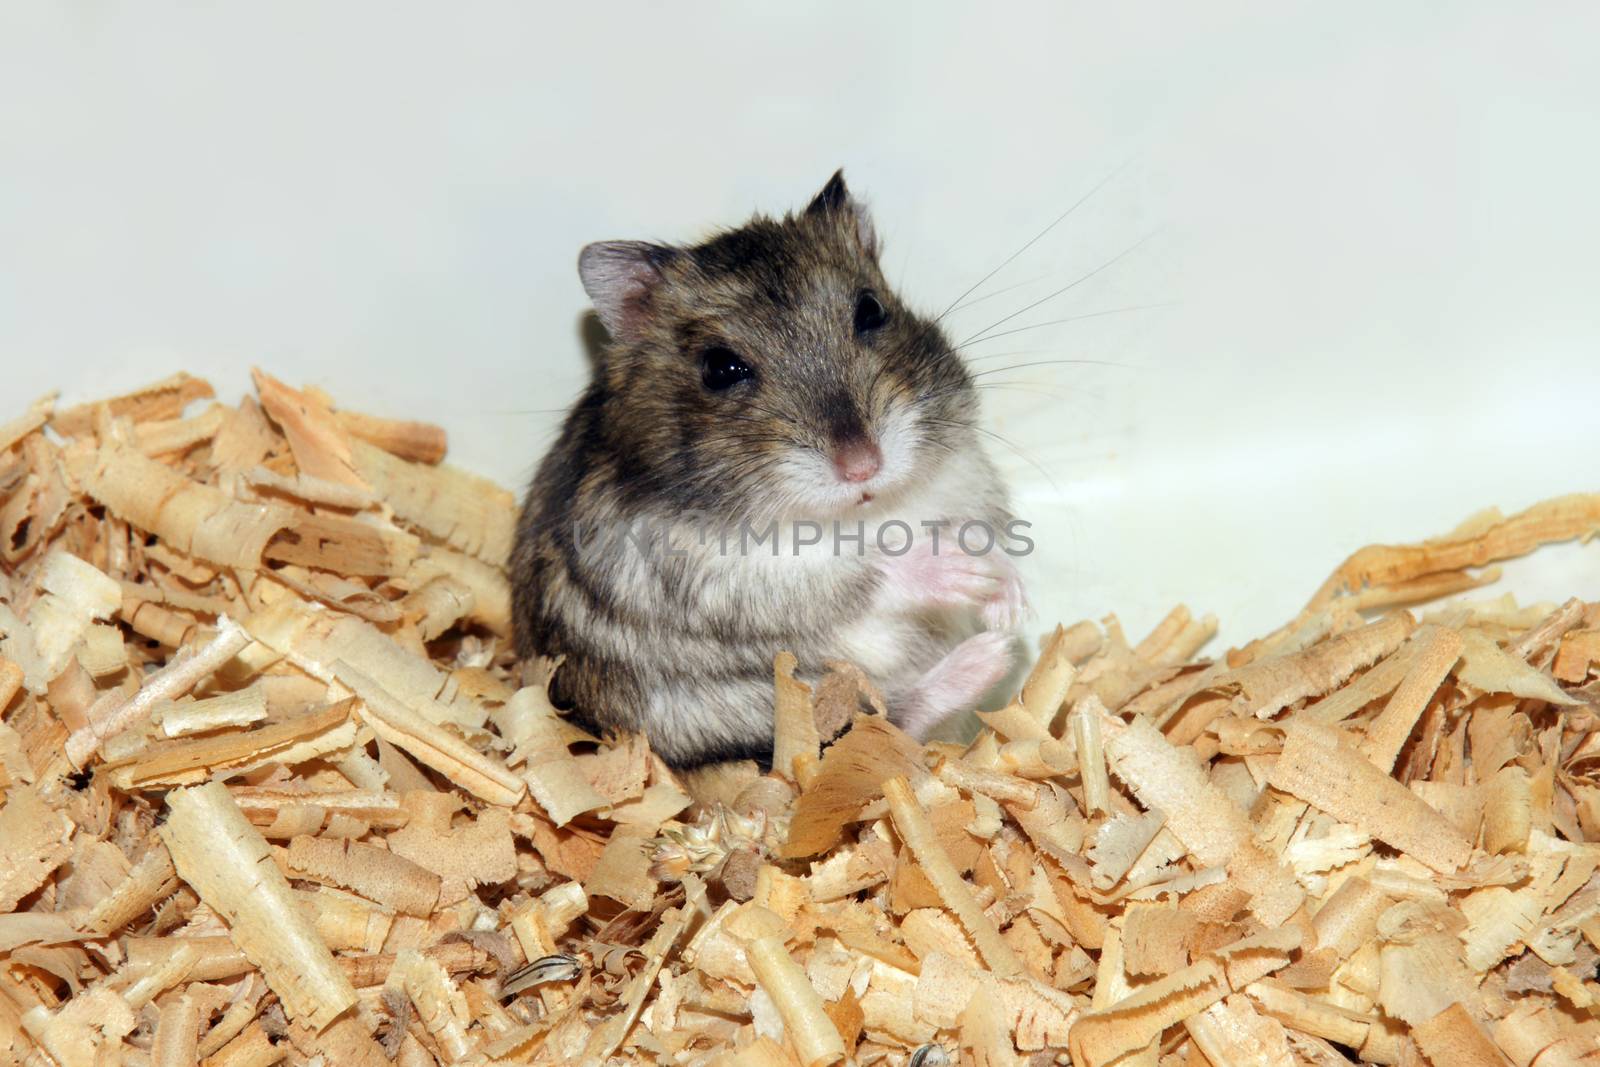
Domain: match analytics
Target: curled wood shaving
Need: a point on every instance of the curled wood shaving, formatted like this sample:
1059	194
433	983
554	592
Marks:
178	435
421	442
1085	722
33	419
165	399
918	834
194	518
174	680
465	512
1323	769
34	841
852	772
238	708
431	744
294	739
1268	686
1137	1019
1486	666
177	1041
1232	1031
1454	1037
1435	656
318	442
1211	826
807	1027
1561	519
796	743
226	861
439	1003
375	873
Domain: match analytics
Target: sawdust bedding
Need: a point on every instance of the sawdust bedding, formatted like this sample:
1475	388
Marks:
275	790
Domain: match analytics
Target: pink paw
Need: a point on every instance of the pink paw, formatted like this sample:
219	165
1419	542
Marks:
956	682
948	579
953	579
1008	608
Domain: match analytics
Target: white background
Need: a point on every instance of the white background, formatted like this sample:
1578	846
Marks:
1373	225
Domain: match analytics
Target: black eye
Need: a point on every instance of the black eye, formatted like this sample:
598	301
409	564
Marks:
870	314
721	368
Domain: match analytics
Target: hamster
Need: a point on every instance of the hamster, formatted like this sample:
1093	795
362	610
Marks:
764	382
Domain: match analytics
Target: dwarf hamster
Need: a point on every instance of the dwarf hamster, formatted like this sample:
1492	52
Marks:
809	443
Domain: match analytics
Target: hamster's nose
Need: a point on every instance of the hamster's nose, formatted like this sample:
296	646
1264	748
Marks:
857	461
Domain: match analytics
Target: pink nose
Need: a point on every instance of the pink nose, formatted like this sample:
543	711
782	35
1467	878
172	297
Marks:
857	461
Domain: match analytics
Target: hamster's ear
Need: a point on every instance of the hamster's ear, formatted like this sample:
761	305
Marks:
835	200
620	277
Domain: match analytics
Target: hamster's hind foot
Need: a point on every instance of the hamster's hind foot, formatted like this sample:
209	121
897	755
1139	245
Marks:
955	683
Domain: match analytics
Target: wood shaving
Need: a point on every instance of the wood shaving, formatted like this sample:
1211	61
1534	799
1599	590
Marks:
273	788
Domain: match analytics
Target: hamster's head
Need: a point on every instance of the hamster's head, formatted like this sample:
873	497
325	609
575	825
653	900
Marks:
770	370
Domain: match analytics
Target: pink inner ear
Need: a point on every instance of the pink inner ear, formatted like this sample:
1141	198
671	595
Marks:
631	314
620	277
864	230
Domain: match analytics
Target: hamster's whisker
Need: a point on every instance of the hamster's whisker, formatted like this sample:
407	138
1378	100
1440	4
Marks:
999	439
1025	456
1054	390
1101	184
1053	363
763	424
1069	318
877	379
1061	291
975	301
759	408
521	411
1051	390
1010	353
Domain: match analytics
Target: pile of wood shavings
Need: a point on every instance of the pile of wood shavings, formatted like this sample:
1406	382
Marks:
274	790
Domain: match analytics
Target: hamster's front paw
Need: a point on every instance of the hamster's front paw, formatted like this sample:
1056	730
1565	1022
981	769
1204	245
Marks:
956	682
950	578
1008	607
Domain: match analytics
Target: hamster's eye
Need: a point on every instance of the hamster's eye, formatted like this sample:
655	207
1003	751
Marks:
870	313
721	368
